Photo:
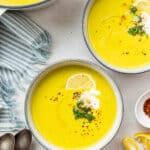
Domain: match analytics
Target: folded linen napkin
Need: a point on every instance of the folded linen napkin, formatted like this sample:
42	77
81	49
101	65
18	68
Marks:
23	46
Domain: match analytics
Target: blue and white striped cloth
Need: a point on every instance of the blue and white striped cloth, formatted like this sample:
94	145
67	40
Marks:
23	46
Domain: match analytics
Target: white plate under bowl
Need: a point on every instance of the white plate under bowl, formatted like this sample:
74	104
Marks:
141	117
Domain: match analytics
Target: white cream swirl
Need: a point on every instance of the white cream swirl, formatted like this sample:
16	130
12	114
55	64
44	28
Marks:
90	99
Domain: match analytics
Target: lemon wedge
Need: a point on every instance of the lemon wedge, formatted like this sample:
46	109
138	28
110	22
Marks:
143	138
80	81
130	144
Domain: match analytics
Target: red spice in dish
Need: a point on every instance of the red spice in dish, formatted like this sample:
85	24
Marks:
146	107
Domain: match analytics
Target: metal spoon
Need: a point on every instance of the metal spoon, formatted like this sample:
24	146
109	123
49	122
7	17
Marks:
23	140
7	142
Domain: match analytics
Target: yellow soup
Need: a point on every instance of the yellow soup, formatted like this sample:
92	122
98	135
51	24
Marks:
117	36
18	2
52	109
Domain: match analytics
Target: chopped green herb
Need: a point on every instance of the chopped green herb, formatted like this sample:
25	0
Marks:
82	111
89	117
75	110
79	103
136	30
86	109
82	114
79	115
133	9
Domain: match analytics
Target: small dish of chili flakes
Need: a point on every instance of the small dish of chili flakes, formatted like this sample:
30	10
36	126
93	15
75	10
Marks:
142	109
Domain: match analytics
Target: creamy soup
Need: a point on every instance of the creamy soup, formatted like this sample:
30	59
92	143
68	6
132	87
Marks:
119	32
70	117
18	2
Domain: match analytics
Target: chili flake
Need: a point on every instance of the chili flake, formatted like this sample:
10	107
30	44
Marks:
146	107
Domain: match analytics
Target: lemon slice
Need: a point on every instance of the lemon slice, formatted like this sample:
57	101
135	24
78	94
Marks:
80	81
130	144
143	138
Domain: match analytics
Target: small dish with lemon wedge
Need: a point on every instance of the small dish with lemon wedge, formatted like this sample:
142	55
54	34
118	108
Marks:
73	104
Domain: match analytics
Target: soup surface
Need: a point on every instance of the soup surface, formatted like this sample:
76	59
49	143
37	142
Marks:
119	32
61	119
18	2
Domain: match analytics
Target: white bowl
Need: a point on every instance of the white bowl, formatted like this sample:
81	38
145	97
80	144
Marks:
99	58
29	6
141	117
117	122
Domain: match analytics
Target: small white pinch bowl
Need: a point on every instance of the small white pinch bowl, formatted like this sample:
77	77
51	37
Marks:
141	117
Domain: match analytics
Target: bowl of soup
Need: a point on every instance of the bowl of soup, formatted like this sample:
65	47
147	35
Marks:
73	104
21	4
117	33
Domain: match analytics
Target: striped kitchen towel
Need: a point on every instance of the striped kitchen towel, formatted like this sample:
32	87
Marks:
23	47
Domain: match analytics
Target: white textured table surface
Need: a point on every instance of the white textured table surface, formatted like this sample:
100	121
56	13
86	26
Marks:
63	20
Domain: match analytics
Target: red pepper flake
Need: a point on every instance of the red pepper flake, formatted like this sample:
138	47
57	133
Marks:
55	99
125	4
69	104
144	53
146	107
123	18
58	93
76	95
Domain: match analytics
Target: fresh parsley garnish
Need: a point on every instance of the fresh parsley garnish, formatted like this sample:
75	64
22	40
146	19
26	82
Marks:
133	9
81	111
89	117
136	30
78	113
79	103
86	109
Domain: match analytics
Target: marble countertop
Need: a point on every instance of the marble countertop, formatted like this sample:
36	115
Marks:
63	20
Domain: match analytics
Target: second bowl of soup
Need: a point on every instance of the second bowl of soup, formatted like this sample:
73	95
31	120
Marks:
73	105
118	33
22	4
